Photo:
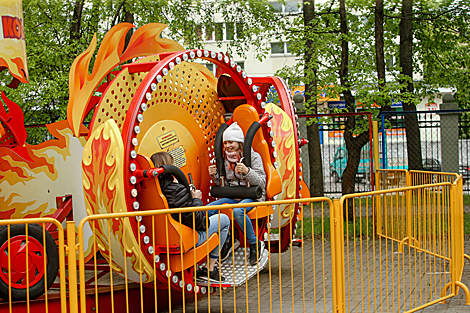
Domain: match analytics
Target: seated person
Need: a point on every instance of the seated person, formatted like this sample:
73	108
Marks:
178	196
238	174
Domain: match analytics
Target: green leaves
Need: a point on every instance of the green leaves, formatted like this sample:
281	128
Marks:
57	31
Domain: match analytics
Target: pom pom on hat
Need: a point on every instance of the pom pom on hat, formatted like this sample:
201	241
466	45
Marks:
234	133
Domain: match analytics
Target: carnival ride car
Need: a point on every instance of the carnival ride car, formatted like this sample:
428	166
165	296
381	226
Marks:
165	100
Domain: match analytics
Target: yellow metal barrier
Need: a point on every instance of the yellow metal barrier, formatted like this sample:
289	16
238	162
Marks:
389	250
28	259
427	218
176	287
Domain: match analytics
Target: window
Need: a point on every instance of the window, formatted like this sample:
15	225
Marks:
229	31
199	32
219	31
242	64
211	67
288	7
391	62
223	32
287	48
209	33
277	6
293	6
280	48
277	47
239	30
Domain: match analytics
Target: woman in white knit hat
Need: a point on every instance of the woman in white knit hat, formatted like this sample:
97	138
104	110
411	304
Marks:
238	174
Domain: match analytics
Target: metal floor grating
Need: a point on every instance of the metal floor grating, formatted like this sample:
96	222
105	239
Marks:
241	275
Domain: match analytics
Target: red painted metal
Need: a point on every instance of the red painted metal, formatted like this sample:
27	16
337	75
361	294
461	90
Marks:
17	254
232	98
13	121
64	211
303	142
115	302
265	118
149	173
139	67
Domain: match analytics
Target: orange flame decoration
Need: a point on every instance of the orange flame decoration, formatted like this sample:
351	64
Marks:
284	137
103	186
145	41
28	189
14	120
12	41
18	70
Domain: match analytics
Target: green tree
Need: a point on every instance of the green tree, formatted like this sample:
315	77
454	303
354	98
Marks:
57	31
429	40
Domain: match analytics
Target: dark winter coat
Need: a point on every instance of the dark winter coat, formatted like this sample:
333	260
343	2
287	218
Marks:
178	196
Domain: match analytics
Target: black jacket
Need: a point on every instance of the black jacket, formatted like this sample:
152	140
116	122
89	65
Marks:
178	196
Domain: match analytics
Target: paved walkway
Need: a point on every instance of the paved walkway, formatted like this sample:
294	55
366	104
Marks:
306	287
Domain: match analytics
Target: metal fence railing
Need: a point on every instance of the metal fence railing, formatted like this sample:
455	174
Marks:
443	138
392	146
334	153
399	248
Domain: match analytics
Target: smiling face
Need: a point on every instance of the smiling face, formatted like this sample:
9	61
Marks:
231	146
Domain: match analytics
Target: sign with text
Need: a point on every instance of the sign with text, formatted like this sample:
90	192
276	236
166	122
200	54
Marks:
12	41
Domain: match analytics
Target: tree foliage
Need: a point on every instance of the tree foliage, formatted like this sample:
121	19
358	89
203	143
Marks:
339	56
59	30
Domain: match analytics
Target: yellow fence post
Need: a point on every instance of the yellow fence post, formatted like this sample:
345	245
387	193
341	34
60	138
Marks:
409	216
375	137
378	212
337	257
72	251
458	229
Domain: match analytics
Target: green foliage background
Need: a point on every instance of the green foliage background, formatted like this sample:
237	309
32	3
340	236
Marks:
52	44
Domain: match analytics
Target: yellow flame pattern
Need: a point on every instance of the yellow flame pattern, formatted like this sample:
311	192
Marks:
285	147
103	186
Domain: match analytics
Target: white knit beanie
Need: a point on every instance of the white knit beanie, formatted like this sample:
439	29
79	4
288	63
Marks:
234	133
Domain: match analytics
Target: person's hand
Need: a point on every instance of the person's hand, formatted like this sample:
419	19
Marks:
196	194
241	169
212	170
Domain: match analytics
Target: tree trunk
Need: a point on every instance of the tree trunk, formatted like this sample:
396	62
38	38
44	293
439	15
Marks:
313	133
379	44
353	144
413	140
76	20
129	18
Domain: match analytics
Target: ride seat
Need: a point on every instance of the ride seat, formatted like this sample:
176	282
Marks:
181	238
245	115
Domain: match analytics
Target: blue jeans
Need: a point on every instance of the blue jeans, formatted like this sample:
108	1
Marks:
240	216
214	228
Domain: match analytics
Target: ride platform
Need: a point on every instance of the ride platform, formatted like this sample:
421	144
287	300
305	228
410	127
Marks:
237	269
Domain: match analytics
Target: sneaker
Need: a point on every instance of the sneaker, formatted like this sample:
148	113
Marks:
201	272
236	244
255	257
213	276
226	249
